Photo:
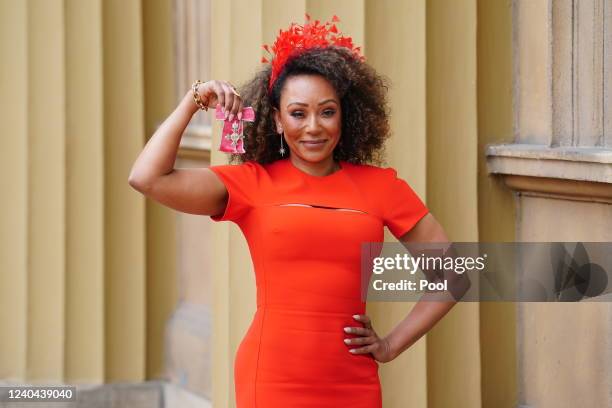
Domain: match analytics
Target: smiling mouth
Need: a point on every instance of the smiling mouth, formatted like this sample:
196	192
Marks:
313	142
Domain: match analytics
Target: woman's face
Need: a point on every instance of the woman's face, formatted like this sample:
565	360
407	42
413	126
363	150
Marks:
310	116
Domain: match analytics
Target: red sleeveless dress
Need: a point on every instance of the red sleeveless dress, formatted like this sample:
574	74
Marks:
304	234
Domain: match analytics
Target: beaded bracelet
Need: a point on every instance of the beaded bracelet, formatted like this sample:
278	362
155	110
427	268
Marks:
196	96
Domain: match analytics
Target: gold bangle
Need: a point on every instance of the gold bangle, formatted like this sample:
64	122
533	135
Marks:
196	96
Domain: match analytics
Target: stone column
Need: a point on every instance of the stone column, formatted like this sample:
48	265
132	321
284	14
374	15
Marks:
85	298
125	247
73	272
14	214
453	346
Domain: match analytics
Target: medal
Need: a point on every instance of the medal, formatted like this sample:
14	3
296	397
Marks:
232	136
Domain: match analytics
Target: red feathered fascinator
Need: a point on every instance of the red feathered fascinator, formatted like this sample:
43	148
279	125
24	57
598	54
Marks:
297	39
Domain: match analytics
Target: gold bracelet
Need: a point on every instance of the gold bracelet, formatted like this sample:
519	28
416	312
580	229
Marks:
196	96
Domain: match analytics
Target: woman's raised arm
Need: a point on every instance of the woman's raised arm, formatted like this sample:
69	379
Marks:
194	191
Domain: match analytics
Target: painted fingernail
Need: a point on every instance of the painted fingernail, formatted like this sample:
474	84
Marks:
352	350
231	117
347	341
239	115
356	316
347	329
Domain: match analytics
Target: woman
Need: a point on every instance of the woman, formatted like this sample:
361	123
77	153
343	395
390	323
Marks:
305	198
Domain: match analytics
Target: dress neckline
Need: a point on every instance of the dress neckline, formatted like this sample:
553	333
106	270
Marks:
296	170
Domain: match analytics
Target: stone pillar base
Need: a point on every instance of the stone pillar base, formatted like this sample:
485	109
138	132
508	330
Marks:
152	394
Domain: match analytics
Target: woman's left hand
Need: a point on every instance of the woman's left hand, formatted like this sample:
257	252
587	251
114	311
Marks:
380	349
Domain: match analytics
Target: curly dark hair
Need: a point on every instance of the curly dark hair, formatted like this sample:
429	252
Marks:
363	99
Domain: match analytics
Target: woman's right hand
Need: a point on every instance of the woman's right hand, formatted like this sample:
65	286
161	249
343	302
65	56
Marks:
216	92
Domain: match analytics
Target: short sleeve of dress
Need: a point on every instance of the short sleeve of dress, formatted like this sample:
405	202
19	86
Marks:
402	207
241	184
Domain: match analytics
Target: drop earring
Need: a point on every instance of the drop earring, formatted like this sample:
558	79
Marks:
282	148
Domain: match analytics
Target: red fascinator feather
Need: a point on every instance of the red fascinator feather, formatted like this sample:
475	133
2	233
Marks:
297	39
